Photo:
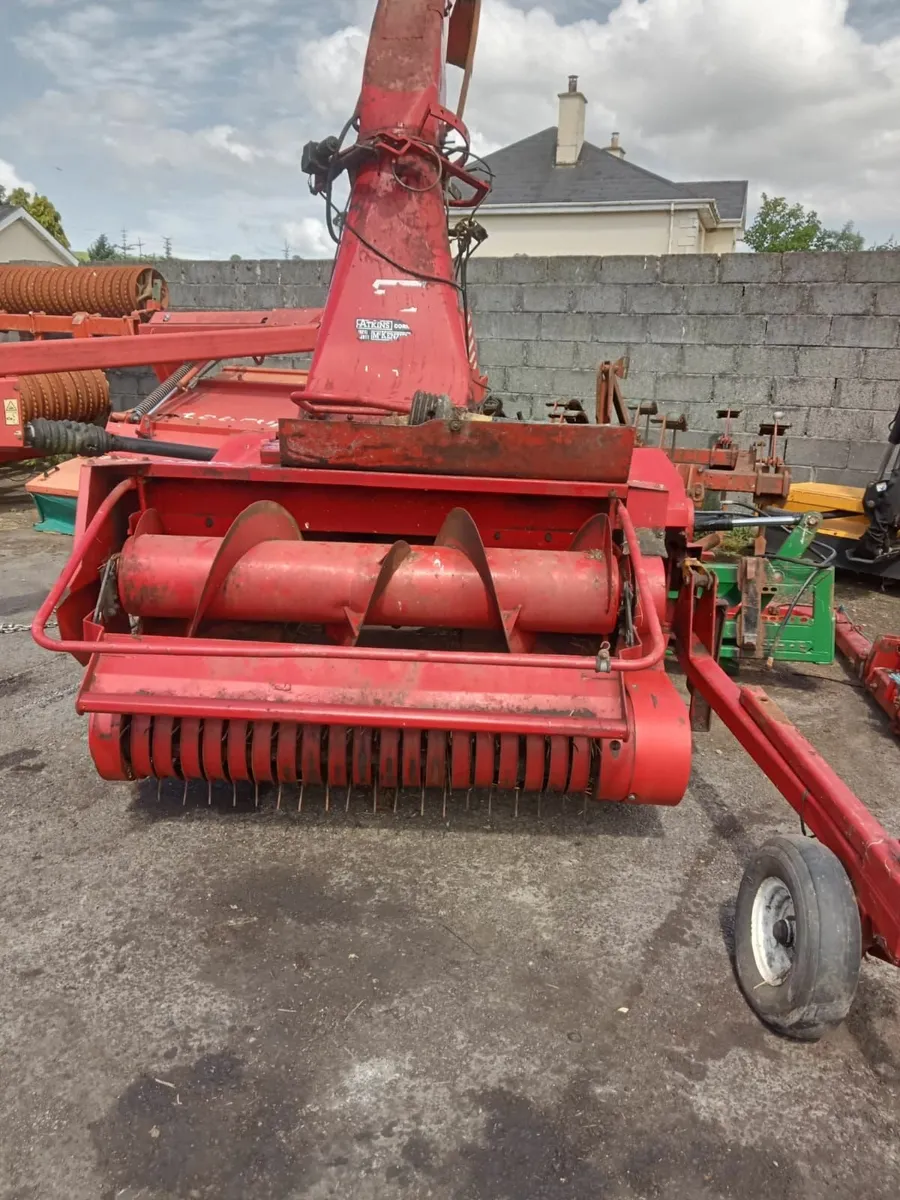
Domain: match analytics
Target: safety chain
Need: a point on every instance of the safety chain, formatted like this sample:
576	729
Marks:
12	627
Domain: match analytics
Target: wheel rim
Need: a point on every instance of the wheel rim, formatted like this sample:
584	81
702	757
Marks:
772	932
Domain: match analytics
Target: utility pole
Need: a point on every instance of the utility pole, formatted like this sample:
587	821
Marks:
167	247
125	246
140	248
287	249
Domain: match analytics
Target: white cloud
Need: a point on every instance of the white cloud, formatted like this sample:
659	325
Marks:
330	72
9	178
188	120
786	94
222	137
309	238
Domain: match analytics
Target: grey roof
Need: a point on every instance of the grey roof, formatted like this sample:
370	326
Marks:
7	210
730	195
525	173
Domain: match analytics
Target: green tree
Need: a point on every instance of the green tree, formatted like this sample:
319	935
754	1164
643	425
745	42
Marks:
780	226
43	211
235	258
845	238
102	250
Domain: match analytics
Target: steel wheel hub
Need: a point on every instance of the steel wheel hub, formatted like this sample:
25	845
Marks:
772	930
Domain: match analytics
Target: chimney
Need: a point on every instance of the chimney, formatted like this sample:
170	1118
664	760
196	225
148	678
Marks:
614	148
570	129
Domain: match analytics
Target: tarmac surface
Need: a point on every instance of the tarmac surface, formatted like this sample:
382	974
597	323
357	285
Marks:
222	1003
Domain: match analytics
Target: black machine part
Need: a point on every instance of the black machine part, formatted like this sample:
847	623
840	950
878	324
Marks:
881	504
316	161
74	437
718	520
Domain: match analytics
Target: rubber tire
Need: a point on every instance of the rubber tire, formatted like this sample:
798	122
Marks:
817	993
429	406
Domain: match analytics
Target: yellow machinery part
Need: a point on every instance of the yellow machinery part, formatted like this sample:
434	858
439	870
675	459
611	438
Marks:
824	497
851	528
828	498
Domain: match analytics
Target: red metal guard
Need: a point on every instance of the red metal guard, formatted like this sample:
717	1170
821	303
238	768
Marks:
876	663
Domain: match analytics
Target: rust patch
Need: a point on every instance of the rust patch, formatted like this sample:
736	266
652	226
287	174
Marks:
517	450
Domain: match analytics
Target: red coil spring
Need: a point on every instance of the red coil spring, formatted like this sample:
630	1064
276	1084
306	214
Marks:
64	395
62	291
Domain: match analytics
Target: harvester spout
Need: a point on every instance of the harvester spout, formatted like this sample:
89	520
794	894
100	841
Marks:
394	322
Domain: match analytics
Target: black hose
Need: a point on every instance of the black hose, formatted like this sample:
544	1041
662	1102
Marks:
73	437
330	176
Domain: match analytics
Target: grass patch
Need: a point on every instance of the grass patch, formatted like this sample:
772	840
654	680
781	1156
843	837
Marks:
737	542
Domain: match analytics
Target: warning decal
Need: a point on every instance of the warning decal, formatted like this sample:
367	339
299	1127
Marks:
386	330
11	411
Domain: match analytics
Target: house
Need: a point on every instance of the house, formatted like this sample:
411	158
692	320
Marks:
23	239
554	193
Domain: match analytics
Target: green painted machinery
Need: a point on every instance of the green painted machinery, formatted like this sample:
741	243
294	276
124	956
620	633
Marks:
778	599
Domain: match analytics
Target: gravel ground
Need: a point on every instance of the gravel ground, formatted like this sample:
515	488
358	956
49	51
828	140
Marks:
203	1001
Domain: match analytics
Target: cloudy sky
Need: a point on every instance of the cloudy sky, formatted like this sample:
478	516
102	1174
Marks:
185	118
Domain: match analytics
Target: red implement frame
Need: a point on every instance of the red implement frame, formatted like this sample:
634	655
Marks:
81	354
876	663
722	467
213	412
828	808
730	469
394	327
79	325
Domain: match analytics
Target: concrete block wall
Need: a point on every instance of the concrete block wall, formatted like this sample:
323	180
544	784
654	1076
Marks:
814	336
